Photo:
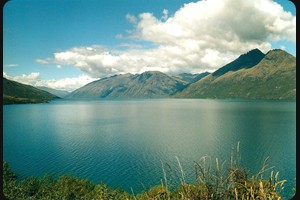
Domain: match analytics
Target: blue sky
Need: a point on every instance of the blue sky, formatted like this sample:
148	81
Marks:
66	44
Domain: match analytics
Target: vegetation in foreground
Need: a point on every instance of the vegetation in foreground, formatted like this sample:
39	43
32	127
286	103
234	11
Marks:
213	181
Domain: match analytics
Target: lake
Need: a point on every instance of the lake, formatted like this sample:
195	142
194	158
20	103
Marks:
123	143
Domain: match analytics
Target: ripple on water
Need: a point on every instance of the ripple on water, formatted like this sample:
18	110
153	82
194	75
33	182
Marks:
123	143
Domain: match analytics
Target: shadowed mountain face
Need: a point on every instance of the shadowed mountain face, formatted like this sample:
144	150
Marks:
274	77
246	60
151	84
14	92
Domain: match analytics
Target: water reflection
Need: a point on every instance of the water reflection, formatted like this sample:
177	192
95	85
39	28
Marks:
122	143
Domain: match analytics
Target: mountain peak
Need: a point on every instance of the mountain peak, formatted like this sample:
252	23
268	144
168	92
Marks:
277	52
279	58
152	72
253	51
149	84
273	77
247	60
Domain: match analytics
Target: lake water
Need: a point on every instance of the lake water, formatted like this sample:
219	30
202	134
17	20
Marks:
123	142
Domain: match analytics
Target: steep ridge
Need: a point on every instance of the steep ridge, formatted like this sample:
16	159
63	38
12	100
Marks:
274	77
246	60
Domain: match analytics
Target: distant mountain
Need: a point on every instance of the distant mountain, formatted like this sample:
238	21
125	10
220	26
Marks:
14	92
151	84
59	93
188	78
274	77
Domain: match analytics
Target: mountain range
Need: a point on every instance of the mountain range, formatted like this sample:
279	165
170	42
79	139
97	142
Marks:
150	84
253	75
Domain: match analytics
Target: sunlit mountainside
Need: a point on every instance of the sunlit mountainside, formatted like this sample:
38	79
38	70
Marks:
274	77
151	84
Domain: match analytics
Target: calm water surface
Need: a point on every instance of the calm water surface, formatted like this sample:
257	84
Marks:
122	142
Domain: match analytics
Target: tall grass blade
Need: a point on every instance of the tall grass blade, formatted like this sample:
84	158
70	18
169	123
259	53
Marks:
181	170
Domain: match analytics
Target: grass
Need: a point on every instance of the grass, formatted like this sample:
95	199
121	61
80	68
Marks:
214	180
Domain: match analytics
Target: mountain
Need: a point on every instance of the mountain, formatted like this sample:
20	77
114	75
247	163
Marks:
14	92
151	84
246	60
188	78
274	77
59	93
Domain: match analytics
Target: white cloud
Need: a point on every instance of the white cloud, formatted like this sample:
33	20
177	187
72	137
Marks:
165	14
68	84
11	65
29	79
43	61
132	19
282	47
200	36
119	36
130	45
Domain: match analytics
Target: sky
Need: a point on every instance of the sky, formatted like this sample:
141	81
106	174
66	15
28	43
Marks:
67	44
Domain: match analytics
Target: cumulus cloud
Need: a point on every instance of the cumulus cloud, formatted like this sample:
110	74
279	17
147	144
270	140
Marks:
29	79
200	36
94	60
67	84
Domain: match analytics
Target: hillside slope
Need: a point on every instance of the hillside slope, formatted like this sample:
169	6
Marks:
151	84
274	77
14	92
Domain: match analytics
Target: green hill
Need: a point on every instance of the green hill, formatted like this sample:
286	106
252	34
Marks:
14	92
274	77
